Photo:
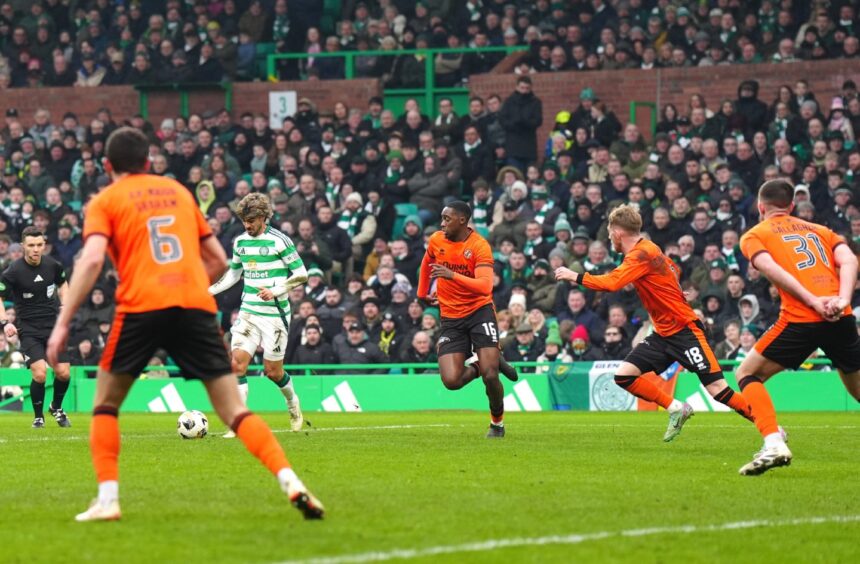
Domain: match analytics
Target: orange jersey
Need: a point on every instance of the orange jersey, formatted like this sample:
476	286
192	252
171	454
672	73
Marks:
463	258
154	229
805	251
655	278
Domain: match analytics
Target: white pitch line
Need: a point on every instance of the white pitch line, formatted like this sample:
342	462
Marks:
496	544
163	435
398	427
369	427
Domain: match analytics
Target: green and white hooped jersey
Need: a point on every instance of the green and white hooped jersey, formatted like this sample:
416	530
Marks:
266	261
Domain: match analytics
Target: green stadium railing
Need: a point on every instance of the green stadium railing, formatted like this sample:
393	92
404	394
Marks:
634	107
184	89
426	96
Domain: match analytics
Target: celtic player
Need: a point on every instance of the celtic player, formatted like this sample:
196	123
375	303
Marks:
271	267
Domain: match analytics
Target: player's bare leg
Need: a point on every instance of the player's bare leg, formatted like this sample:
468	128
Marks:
488	364
111	390
753	372
239	361
274	370
259	440
852	383
453	371
62	375
628	377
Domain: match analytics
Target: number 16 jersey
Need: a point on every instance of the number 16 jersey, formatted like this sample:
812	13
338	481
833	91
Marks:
154	229
805	251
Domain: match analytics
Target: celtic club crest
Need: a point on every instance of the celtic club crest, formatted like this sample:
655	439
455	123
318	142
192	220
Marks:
607	396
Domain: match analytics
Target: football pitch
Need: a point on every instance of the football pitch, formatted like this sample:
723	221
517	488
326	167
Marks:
428	487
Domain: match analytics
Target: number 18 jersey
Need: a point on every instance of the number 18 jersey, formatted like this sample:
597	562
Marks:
154	229
805	251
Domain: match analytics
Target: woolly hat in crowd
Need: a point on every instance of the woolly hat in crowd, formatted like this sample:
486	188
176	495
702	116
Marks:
414	218
562	224
579	333
355	197
517	299
553	336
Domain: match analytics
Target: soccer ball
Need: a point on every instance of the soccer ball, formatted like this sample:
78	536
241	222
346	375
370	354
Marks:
192	425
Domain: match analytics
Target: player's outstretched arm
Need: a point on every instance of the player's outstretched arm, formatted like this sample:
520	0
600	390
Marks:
298	277
87	270
215	262
630	270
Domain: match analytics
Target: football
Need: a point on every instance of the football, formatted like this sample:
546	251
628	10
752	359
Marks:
192	425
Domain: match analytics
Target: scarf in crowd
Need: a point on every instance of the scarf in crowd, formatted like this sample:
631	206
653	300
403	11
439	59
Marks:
480	212
781	127
540	216
281	28
731	258
385	341
392	176
332	194
470	149
474	8
348	221
444	120
529	247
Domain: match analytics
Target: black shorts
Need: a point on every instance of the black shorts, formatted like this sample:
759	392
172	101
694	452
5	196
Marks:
790	344
478	330
33	338
689	347
191	337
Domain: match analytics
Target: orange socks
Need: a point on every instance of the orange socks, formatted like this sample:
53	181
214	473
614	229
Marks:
728	397
260	441
104	443
642	388
761	405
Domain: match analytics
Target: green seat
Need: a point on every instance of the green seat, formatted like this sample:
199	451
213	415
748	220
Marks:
75	205
263	50
403	211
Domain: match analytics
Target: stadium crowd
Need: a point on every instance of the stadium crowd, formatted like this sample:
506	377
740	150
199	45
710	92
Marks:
360	189
103	42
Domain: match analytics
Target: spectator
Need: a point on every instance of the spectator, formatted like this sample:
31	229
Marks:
526	347
521	115
419	351
357	349
313	349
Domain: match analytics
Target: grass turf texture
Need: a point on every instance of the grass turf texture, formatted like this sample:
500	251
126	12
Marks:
438	484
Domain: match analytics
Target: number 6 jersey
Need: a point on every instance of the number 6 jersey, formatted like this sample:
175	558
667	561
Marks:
805	251
168	272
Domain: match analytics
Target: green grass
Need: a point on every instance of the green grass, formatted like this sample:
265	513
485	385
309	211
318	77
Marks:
437	484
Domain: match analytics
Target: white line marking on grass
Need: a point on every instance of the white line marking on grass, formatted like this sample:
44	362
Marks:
496	544
738	426
368	428
163	435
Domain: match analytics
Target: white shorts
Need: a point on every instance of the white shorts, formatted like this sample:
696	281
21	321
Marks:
251	331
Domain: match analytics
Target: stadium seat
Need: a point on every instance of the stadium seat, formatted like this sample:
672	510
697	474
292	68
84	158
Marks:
263	52
403	211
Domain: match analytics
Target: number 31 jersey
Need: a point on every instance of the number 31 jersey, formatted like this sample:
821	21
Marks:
805	251
154	229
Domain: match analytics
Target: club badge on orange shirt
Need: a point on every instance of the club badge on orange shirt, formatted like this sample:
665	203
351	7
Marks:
467	254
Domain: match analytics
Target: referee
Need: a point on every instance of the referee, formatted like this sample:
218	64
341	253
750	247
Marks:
37	285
